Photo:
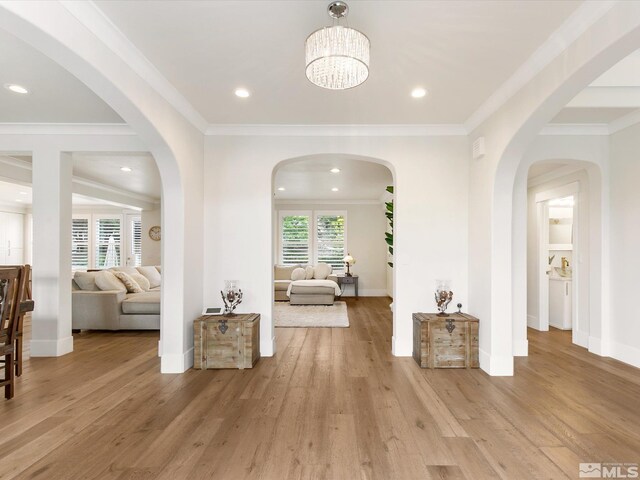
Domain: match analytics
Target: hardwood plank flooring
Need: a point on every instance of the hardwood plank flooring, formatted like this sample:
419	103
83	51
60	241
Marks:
332	404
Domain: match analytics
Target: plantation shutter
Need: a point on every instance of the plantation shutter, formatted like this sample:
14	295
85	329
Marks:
80	244
330	240
136	241
107	243
294	240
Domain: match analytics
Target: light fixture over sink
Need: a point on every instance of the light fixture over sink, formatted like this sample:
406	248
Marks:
337	57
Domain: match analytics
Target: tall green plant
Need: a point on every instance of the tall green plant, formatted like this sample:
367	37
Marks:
389	215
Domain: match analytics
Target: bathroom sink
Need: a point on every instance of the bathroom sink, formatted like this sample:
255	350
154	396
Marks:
563	272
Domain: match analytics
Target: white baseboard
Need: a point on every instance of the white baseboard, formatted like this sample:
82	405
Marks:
399	350
176	362
595	345
496	366
625	353
51	348
268	349
533	322
366	292
521	348
582	338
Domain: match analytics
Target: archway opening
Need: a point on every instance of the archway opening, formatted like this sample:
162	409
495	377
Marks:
332	214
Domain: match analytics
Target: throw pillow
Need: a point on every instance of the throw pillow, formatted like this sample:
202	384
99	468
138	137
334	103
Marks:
308	272
152	274
107	281
298	274
86	280
141	280
322	271
129	283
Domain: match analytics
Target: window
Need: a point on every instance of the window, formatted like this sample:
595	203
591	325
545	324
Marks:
330	242
108	245
135	242
313	237
80	243
294	239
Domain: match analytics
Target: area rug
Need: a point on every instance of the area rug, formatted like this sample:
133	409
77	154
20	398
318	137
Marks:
310	316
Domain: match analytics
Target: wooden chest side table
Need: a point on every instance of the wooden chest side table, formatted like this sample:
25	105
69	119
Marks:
228	341
445	342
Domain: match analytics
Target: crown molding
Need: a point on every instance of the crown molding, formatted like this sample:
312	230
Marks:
624	122
100	25
66	129
338	130
575	25
554	174
575	129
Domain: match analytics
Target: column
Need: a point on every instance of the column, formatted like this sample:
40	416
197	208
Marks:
51	329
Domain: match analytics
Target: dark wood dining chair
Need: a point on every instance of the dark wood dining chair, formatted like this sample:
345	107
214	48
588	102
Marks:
26	306
11	286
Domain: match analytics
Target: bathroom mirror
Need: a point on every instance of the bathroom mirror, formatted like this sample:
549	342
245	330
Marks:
561	232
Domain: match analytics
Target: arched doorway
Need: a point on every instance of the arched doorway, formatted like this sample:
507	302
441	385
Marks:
325	189
174	143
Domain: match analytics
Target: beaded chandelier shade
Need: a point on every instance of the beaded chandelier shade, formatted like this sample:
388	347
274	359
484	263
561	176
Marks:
337	57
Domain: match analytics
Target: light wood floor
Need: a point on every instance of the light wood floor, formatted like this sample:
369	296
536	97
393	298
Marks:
333	403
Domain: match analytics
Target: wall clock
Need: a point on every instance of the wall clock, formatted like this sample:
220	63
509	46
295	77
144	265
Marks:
155	233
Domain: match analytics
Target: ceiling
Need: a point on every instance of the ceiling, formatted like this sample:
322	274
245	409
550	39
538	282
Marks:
310	179
461	51
55	96
541	168
20	196
144	178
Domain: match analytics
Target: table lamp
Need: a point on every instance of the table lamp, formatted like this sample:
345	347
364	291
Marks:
348	261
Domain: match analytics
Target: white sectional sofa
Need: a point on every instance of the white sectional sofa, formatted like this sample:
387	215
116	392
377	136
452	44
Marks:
115	309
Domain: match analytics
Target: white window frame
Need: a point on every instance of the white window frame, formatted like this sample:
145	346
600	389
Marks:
296	213
313	233
90	252
319	213
129	218
108	216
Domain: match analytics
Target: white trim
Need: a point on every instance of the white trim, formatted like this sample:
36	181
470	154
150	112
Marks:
327	202
176	362
533	322
119	191
400	349
268	349
102	27
575	25
441	130
625	353
580	338
496	366
575	129
51	348
596	346
624	122
66	129
520	348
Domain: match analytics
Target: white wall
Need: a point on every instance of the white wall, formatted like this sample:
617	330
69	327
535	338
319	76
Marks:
151	249
366	225
625	245
431	192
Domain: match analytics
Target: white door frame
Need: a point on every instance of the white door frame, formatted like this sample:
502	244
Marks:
542	202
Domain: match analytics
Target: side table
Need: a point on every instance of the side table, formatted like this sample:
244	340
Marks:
344	280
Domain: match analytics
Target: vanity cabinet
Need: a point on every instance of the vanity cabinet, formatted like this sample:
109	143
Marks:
560	304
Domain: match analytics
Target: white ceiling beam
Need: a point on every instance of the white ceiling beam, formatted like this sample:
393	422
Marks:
607	97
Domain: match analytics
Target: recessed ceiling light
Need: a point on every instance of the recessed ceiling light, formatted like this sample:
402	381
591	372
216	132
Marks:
24	193
334	189
335	170
418	92
16	88
242	92
18	200
125	169
281	189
